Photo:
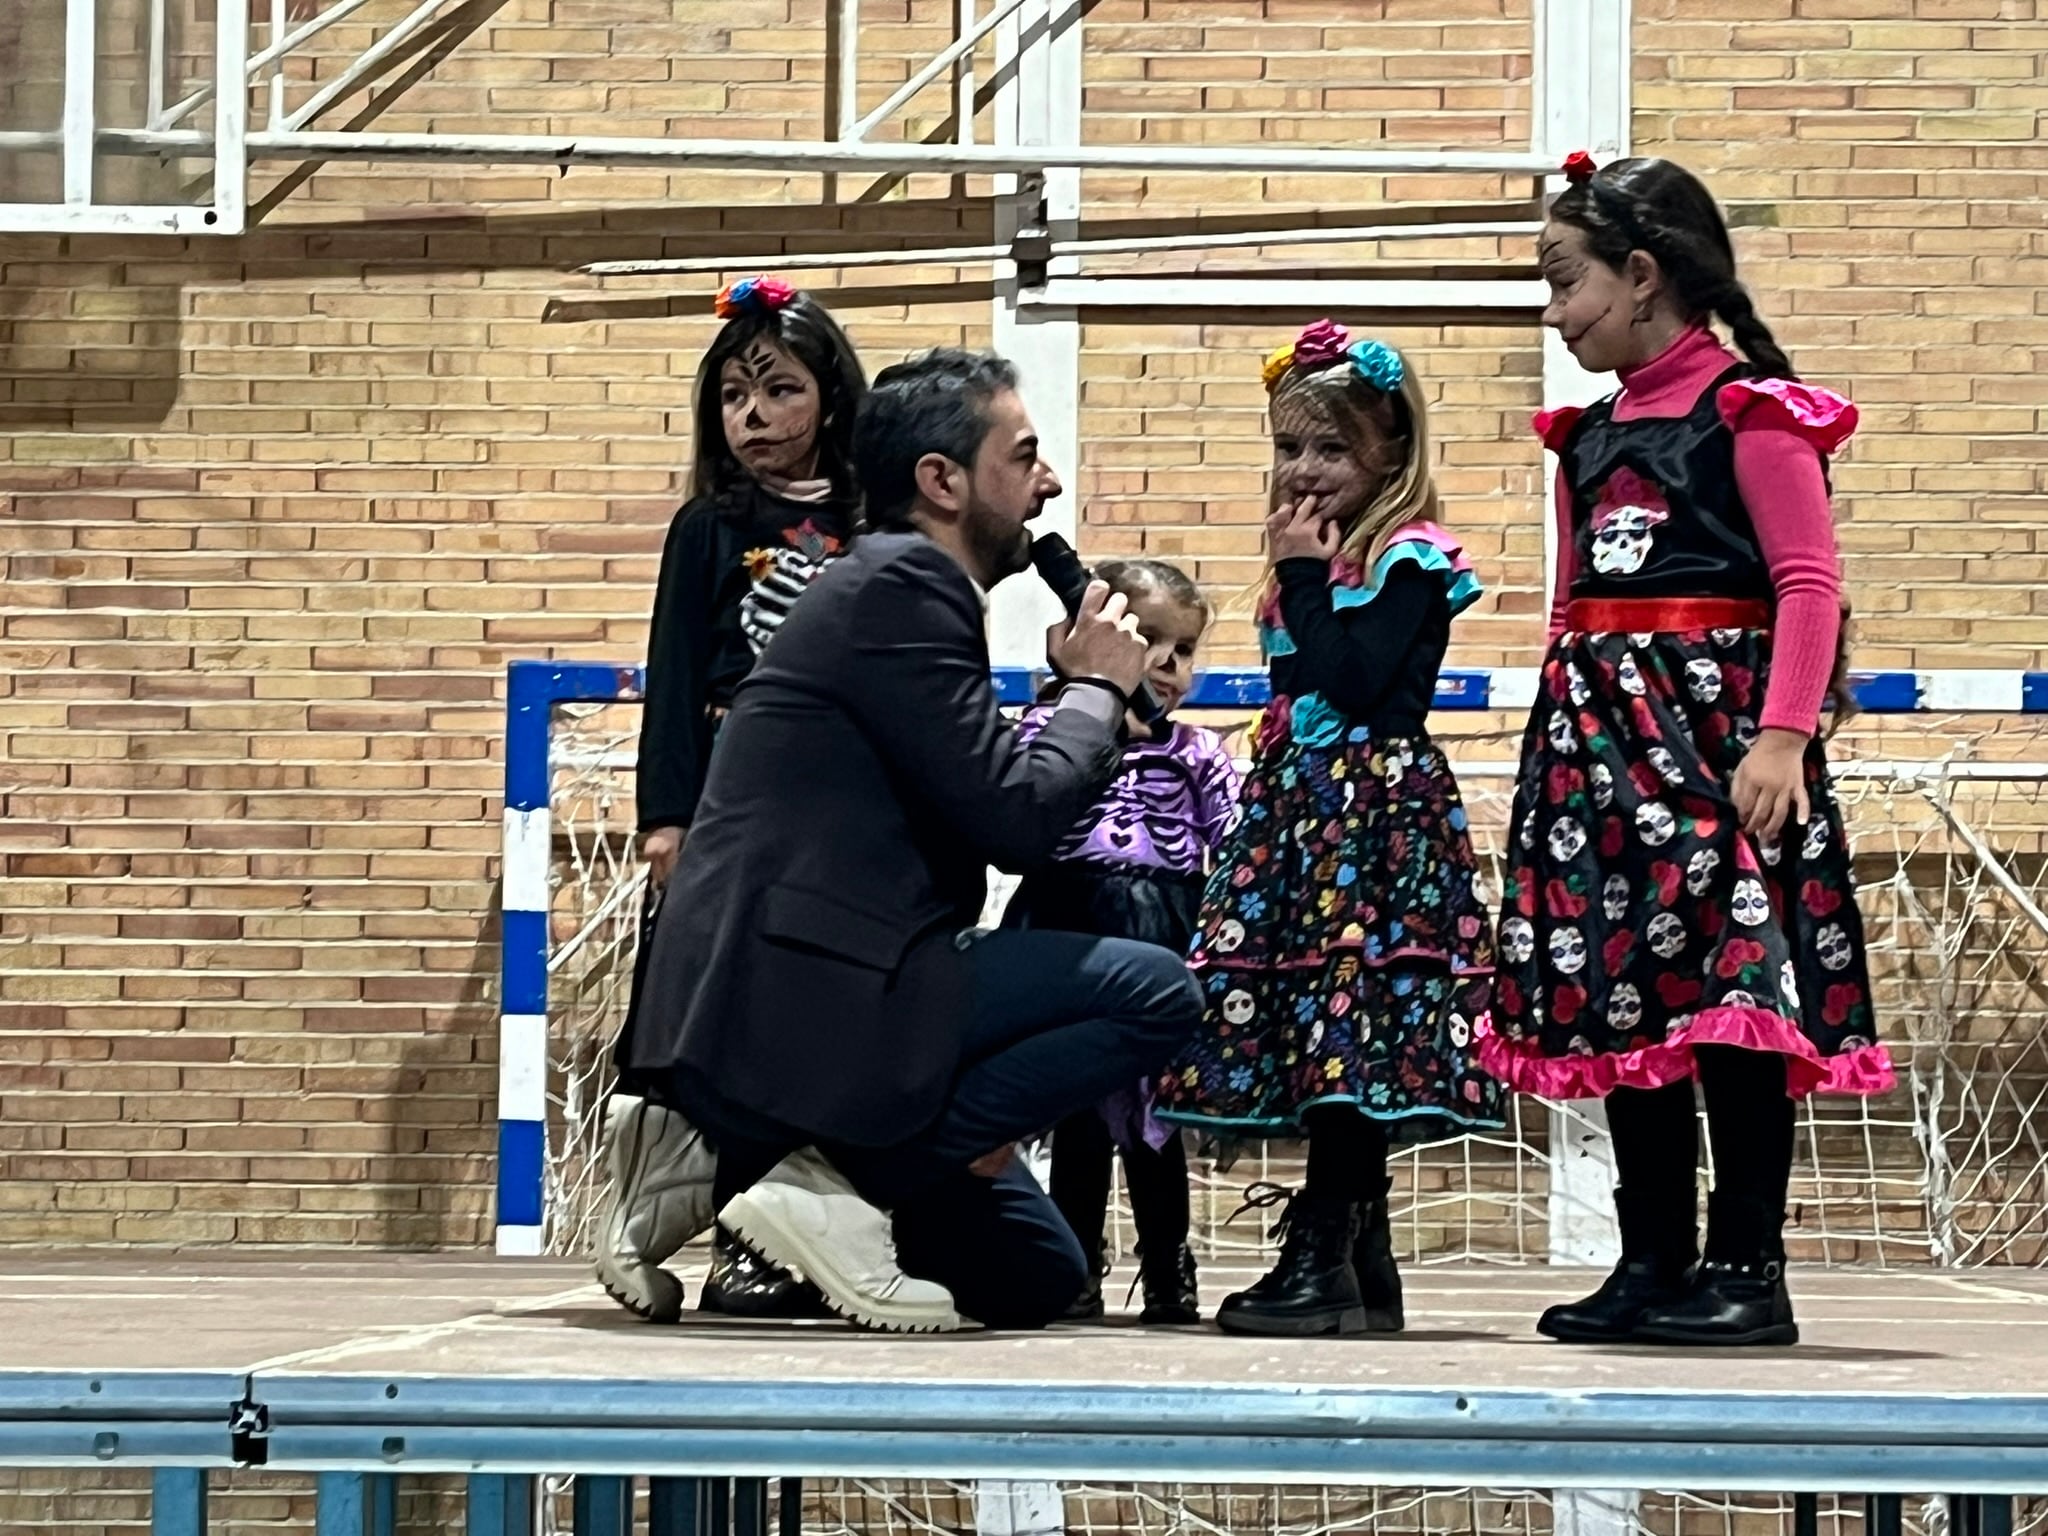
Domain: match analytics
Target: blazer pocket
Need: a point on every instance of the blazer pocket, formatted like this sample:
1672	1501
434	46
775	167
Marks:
810	920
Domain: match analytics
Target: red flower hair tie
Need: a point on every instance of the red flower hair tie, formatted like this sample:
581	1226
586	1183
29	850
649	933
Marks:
1579	167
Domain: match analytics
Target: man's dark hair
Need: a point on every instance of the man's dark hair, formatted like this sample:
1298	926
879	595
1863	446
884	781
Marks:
933	403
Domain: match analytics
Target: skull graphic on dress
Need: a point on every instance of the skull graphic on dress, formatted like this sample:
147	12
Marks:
1238	1007
1666	934
1568	951
1750	905
1625	523
1703	679
1614	898
1517	940
1832	942
1624	1007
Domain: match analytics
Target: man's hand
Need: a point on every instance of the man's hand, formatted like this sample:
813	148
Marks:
659	850
1770	783
1103	642
1295	532
988	1167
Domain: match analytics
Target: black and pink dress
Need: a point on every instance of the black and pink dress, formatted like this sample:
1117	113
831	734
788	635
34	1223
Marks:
1638	920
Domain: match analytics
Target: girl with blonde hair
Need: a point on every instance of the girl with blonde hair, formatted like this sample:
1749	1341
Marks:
1344	955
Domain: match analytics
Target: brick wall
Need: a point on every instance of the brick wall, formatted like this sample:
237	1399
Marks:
281	508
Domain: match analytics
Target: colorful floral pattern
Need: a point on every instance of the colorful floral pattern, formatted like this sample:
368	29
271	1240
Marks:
1342	949
1638	920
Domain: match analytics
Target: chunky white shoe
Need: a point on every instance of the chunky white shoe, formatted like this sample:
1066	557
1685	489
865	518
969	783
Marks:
657	1199
806	1218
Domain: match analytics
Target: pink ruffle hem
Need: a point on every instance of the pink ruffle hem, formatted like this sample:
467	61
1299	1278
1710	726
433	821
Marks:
1864	1072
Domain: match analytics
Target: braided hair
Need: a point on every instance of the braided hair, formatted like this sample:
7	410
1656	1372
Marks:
1665	211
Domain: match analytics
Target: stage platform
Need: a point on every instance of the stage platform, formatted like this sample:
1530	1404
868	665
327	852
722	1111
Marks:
1909	1381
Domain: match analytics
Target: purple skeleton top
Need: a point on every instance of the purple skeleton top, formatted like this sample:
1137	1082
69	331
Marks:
1168	807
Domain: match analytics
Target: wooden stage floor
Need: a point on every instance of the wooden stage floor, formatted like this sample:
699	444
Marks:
474	1363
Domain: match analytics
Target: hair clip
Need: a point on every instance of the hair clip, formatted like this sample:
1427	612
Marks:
1579	167
1378	364
752	295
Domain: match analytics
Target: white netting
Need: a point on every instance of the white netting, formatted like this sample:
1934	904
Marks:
1947	819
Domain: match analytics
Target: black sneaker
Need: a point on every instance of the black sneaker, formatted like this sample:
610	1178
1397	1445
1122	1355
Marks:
1313	1288
742	1284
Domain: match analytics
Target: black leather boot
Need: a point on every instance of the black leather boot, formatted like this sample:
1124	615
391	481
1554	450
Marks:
1312	1289
1659	1246
1172	1296
1738	1296
741	1284
1379	1281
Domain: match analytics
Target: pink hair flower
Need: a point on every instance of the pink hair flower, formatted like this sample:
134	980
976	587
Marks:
752	295
1321	343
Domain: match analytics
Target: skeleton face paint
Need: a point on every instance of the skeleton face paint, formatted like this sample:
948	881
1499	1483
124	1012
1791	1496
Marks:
770	405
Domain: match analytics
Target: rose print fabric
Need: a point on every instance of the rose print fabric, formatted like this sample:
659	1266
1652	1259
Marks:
1637	920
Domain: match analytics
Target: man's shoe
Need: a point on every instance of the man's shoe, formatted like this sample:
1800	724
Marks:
741	1285
804	1217
657	1199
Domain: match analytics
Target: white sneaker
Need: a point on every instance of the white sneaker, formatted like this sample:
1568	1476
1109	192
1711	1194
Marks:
806	1218
657	1199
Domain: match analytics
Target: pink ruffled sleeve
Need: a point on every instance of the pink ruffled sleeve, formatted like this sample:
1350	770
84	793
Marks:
1555	426
1781	430
1816	416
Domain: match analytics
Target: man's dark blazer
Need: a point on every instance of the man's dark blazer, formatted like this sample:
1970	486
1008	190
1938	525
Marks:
805	966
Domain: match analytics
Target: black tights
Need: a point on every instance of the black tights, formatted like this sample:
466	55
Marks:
1156	1177
1347	1154
1749	1117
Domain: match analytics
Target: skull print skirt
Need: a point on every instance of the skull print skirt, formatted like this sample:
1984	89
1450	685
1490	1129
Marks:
1637	920
1343	953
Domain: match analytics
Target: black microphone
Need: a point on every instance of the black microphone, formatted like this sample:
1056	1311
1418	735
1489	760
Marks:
1061	570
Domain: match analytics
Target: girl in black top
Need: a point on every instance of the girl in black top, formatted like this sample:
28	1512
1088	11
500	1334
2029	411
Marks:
772	503
1343	952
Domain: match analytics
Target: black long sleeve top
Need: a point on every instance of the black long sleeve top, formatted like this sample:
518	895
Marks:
731	565
1376	662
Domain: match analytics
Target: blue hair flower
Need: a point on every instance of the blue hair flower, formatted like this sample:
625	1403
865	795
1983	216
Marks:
1378	364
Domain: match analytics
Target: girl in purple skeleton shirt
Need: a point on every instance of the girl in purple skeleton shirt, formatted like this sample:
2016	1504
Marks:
1134	869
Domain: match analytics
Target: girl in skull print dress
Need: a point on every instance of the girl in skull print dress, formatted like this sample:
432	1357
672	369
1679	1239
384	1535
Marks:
1678	903
1345	957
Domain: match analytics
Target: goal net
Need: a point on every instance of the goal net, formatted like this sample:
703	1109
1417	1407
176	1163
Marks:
1946	815
1947	818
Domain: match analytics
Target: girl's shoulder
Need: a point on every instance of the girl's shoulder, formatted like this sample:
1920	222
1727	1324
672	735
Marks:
1429	547
1816	416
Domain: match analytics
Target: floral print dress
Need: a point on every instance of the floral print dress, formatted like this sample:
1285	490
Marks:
1342	949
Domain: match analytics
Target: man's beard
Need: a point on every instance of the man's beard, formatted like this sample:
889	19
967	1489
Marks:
999	547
